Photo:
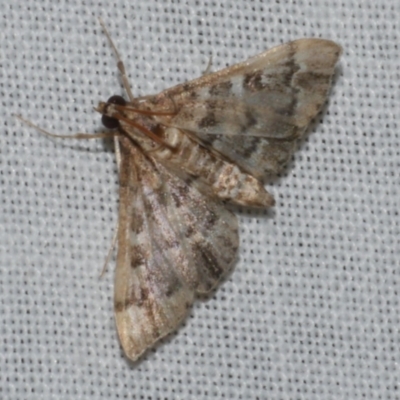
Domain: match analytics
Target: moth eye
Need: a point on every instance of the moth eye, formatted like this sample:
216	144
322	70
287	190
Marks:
117	100
110	122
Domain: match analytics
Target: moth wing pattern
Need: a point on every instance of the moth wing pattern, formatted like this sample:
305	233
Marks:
172	243
254	112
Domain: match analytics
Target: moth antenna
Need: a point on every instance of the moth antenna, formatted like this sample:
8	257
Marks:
85	136
78	135
120	63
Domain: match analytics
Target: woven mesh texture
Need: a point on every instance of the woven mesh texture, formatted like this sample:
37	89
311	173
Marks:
311	310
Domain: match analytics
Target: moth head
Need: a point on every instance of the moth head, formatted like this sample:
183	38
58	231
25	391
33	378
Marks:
116	111
107	119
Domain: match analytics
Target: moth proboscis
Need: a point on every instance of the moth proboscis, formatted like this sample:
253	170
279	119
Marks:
183	154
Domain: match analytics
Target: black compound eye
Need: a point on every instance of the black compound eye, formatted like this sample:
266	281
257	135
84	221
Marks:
110	122
117	100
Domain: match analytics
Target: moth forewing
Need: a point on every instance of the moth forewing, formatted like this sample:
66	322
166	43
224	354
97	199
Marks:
172	243
253	113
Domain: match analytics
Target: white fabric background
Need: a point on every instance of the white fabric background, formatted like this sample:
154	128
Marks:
311	310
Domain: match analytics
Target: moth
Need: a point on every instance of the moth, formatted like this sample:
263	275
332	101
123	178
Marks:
185	153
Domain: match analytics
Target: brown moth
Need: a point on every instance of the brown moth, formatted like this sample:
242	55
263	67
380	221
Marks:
182	155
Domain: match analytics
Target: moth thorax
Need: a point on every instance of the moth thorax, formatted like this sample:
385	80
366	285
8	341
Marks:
173	136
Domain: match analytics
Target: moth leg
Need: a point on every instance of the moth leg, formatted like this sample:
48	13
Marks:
117	153
110	251
209	66
86	136
120	64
